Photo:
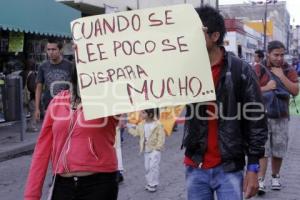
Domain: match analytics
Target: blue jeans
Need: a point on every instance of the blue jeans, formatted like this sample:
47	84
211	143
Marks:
202	183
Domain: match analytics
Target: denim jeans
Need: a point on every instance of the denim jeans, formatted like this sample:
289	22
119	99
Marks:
202	183
97	186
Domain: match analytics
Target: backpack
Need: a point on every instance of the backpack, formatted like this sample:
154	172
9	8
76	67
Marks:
31	81
276	101
29	86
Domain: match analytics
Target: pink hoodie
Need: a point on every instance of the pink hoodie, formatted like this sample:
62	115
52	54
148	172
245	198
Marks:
90	149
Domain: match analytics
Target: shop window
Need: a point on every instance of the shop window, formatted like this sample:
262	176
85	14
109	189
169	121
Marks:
3	42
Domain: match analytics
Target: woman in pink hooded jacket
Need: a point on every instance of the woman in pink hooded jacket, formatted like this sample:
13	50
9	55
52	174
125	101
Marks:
82	153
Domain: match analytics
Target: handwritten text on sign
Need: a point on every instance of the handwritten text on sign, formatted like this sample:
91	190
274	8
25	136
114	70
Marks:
141	59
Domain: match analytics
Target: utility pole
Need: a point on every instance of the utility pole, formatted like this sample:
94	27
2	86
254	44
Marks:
202	2
217	4
265	26
138	4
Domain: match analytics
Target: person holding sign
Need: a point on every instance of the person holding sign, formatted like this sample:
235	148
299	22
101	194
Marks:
141	59
217	134
152	139
83	157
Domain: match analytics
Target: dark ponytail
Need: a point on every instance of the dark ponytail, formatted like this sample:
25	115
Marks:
152	113
74	89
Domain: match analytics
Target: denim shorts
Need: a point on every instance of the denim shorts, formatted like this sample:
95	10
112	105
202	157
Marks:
278	137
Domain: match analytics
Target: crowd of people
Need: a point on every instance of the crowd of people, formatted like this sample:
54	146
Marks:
84	161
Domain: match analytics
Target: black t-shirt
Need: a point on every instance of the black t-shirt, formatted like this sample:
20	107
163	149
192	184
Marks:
55	77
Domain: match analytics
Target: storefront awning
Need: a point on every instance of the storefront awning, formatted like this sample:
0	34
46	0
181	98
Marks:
86	7
45	17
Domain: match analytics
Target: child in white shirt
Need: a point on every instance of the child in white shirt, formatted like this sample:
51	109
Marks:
152	139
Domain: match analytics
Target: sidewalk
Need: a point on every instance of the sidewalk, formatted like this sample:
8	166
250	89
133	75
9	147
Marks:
290	172
10	141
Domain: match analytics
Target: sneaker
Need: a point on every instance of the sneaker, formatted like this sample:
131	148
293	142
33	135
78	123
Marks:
275	182
262	187
150	188
32	129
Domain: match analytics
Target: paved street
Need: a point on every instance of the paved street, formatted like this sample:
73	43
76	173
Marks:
209	59
13	172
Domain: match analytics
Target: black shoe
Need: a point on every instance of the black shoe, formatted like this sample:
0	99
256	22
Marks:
261	192
120	178
174	128
151	188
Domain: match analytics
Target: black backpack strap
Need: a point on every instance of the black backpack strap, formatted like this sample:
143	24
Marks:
272	76
262	69
235	65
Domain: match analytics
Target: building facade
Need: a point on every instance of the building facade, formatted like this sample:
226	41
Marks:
241	39
295	42
277	13
25	27
93	7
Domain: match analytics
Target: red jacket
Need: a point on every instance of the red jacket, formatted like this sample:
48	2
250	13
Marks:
90	148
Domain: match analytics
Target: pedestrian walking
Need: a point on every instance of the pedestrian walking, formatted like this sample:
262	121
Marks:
277	81
29	83
83	157
217	136
152	139
258	57
54	74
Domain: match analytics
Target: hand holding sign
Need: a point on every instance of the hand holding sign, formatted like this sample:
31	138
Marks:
141	59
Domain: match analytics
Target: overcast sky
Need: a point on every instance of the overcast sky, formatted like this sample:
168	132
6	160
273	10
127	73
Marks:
293	7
